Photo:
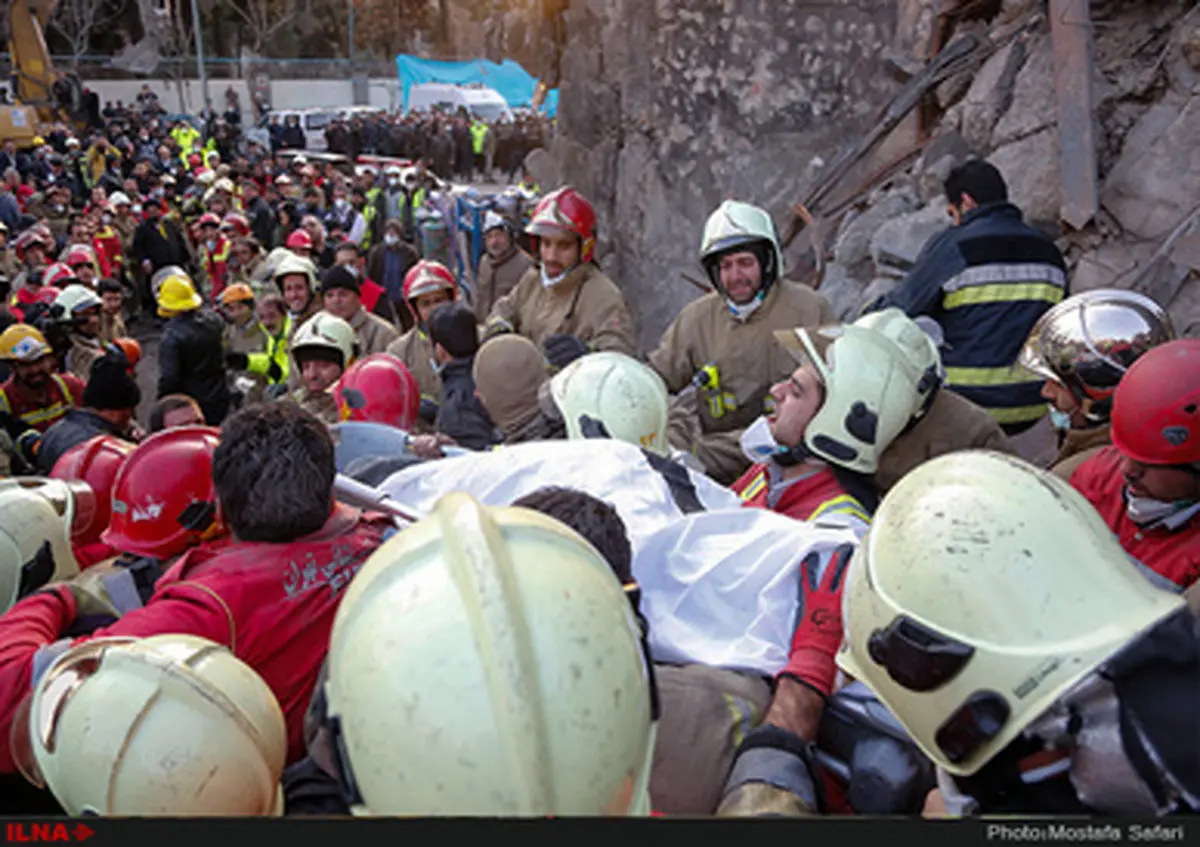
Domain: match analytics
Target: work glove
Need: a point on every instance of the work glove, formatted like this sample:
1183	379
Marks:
818	634
562	349
237	361
428	411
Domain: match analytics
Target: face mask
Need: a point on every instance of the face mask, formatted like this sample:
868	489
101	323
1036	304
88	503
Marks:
741	313
137	210
758	445
1060	420
393	182
391	239
436	365
211	244
341	204
58	208
551	281
106	217
1145	511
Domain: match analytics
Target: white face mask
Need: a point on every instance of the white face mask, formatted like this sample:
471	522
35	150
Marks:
551	281
137	210
391	239
1144	511
211	243
742	312
341	203
758	445
1060	420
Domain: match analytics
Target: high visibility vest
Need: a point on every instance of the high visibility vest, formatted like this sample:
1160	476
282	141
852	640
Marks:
479	132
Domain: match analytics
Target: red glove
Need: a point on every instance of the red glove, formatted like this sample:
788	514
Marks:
819	632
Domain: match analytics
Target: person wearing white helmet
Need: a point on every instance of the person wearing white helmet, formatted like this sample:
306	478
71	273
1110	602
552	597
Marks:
538	632
993	613
1082	347
37	519
502	264
718	355
170	725
323	347
81	312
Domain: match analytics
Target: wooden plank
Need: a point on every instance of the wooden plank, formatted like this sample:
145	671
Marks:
1071	36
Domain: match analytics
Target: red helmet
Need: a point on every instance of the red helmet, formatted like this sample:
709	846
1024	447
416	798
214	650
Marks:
163	501
566	210
96	462
237	223
426	276
58	275
208	219
194	159
378	389
79	254
299	240
35	235
1156	410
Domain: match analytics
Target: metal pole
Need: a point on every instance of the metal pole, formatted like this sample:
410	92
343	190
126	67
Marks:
200	54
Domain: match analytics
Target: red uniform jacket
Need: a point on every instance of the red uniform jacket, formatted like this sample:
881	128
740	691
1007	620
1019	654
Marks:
66	392
370	293
1174	554
216	262
805	500
271	604
107	245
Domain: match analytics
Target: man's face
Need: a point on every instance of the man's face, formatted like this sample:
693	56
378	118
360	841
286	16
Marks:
239	312
270	317
497	241
87	322
426	303
85	272
741	276
313	228
35	256
189	415
208	232
111	302
558	252
797	401
296	292
1165	483
341	302
319	375
347	258
1057	395
34	375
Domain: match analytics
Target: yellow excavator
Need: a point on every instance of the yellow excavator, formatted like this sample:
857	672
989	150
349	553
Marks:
42	95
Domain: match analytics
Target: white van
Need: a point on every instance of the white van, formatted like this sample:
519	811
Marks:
312	121
475	98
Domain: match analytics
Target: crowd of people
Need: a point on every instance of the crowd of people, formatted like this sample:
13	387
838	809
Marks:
948	630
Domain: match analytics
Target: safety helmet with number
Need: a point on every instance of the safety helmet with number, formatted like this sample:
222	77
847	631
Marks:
378	389
614	395
324	331
985	590
565	211
39	520
23	343
169	725
879	374
1087	342
163	501
738	227
533	673
1156	409
77	298
95	462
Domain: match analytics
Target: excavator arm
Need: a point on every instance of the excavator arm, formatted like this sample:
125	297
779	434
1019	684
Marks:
32	66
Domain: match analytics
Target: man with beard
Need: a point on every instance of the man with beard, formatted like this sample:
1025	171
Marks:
502	265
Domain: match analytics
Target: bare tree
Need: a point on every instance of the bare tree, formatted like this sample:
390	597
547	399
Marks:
77	20
262	20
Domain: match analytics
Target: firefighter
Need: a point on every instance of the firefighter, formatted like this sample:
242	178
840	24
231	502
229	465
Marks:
378	389
323	348
35	393
427	285
81	311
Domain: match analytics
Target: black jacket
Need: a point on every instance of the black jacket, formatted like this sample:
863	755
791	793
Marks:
192	361
262	222
76	427
163	246
460	415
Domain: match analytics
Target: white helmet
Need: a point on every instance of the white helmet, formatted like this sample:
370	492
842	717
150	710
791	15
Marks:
737	225
494	221
287	263
618	391
76	298
37	520
392	170
171	725
119	198
206	177
878	373
327	332
524	687
984	591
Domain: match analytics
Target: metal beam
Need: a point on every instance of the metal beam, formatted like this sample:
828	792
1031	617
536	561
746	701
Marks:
1071	37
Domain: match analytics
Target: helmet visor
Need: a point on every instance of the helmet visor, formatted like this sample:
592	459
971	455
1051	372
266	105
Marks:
39	727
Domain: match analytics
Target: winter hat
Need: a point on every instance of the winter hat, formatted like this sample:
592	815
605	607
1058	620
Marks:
109	384
341	276
509	370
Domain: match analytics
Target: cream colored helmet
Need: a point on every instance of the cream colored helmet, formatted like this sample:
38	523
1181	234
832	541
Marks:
984	591
741	225
289	264
487	662
328	332
1087	342
879	372
618	391
77	298
37	519
171	725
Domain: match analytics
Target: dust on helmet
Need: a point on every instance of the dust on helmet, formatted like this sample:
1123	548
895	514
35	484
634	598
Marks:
616	392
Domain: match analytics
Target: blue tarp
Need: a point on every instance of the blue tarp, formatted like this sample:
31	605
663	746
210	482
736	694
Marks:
510	80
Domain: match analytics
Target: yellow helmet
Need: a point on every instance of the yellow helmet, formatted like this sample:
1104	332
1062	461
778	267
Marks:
171	725
618	391
23	343
984	591
487	662
177	294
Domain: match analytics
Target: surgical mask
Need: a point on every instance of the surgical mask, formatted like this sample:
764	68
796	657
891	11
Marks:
758	444
1145	511
742	312
135	209
58	208
436	365
551	281
1060	420
211	244
106	217
341	204
391	239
